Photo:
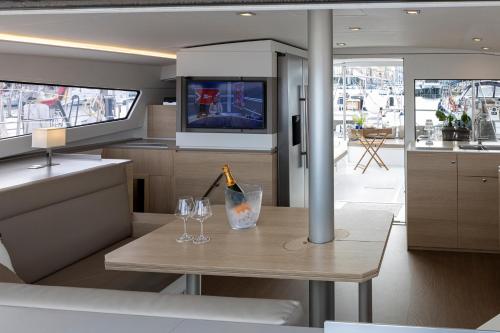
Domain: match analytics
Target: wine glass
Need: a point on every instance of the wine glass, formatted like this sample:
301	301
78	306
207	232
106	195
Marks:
201	212
184	210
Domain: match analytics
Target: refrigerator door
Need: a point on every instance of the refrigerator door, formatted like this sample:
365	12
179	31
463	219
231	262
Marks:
291	133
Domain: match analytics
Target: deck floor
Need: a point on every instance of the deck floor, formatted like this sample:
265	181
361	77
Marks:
422	288
377	188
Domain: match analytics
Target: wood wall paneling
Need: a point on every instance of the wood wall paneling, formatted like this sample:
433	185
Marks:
196	170
162	121
161	194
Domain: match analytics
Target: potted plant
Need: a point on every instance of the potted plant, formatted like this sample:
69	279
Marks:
359	121
463	127
448	129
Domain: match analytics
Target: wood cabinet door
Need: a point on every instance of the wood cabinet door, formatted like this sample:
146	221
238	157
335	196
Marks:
478	164
432	199
478	213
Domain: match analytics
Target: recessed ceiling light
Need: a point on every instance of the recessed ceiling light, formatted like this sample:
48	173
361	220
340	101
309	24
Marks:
477	39
341	44
246	14
484	48
84	46
412	11
354	28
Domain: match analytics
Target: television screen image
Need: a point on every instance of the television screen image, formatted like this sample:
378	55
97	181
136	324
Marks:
225	104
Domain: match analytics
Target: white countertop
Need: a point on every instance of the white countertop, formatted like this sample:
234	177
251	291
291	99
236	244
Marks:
450	146
16	172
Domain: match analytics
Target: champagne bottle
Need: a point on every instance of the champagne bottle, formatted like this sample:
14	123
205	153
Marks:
238	198
230	182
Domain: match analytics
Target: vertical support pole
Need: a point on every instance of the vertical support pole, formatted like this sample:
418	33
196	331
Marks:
193	284
321	302
321	224
320	39
475	133
365	302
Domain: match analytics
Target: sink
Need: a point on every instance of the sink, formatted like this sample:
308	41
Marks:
479	147
492	147
472	147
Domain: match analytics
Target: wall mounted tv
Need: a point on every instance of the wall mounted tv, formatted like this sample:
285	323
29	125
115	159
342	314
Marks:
225	104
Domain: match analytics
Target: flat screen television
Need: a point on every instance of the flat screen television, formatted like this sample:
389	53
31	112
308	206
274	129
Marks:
225	104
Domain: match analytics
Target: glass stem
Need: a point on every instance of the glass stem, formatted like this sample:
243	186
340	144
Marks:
201	221
185	227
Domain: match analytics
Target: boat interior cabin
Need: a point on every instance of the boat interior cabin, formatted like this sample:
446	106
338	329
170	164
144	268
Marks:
254	166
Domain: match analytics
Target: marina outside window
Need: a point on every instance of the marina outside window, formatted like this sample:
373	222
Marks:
373	91
26	106
455	97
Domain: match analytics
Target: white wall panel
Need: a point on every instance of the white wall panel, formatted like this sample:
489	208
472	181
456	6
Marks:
248	59
226	141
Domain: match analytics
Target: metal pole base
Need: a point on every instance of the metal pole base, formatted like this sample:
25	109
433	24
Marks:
40	166
365	302
321	302
193	284
48	164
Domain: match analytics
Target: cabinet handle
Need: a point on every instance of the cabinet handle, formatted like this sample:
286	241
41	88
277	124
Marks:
453	162
484	180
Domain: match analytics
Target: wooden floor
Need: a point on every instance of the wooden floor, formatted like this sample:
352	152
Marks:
421	288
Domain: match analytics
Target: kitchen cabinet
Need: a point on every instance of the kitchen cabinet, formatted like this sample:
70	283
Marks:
478	164
478	213
453	200
195	171
432	199
153	171
163	175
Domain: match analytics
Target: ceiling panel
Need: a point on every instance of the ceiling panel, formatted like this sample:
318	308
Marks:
448	28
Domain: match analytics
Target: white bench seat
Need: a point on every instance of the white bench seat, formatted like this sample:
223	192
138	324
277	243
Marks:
248	310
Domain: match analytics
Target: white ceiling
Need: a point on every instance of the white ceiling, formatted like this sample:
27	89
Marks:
447	28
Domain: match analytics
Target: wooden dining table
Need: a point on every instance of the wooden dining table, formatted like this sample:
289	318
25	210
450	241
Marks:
277	247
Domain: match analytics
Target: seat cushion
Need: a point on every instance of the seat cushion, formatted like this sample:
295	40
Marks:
47	239
491	325
90	273
248	310
6	275
5	257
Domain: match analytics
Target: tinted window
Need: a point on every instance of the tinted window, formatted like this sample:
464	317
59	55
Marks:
26	106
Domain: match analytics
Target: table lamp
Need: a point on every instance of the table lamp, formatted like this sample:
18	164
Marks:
48	138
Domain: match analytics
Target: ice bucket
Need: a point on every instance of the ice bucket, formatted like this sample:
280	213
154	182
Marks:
243	209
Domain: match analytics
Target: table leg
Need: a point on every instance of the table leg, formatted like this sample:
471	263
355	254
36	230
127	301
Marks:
321	302
193	284
365	302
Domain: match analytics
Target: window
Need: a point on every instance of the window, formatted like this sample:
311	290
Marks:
486	91
453	98
373	91
26	106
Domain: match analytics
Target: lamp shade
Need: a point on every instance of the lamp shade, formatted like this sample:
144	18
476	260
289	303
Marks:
48	137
